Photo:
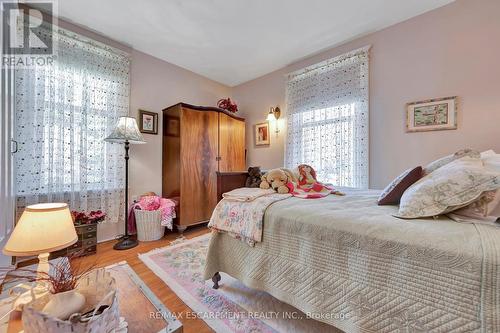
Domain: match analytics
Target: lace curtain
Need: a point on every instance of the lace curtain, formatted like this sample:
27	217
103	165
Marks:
6	161
327	110
63	114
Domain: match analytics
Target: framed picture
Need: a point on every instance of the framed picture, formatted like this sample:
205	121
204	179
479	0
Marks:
262	134
172	126
432	115
148	122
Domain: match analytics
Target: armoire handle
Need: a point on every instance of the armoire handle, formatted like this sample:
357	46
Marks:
218	158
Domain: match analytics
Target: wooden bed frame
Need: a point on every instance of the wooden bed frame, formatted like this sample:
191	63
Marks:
227	181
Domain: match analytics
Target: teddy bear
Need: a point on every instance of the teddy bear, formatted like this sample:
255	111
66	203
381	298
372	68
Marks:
254	177
277	179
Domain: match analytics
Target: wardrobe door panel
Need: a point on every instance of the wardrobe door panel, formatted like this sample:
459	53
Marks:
199	151
231	144
171	165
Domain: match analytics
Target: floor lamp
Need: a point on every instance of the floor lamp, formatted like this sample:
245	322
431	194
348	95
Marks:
127	132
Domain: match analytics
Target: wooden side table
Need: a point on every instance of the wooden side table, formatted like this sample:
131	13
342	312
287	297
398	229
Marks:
142	310
86	244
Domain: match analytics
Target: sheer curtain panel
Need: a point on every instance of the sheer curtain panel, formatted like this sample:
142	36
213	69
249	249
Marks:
327	111
7	147
63	114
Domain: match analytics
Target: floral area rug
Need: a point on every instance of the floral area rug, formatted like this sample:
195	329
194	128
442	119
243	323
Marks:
233	307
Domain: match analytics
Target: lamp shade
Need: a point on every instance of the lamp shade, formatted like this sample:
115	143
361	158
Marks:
270	116
42	228
126	130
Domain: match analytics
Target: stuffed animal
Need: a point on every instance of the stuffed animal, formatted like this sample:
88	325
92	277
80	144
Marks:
277	179
306	174
254	177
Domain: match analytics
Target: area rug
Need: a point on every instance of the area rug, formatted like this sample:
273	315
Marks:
231	308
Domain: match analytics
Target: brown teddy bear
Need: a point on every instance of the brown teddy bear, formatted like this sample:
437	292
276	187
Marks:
277	179
254	177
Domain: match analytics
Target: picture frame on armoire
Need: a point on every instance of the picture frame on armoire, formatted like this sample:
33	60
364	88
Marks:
148	122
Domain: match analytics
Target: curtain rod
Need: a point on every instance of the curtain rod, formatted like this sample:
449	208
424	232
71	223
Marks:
328	62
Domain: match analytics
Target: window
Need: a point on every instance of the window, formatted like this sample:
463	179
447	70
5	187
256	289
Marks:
327	107
63	113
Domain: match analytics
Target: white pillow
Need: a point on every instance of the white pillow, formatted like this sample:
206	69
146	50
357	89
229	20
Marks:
434	165
491	160
452	186
487	152
487	207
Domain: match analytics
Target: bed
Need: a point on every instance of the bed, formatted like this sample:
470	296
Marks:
349	263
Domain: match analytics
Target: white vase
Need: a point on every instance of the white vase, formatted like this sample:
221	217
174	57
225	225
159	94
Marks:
62	305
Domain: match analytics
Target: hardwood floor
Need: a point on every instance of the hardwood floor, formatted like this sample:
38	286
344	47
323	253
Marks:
106	256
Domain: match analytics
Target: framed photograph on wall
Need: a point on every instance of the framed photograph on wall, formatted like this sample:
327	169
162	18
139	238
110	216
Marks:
432	115
148	122
262	134
172	126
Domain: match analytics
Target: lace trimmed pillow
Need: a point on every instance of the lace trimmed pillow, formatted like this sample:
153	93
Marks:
487	207
433	166
452	186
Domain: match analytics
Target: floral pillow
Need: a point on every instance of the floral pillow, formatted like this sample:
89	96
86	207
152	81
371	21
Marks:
487	207
393	192
450	158
450	187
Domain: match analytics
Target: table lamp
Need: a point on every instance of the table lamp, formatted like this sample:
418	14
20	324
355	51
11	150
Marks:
127	132
42	228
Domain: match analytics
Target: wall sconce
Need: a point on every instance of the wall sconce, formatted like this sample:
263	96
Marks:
274	114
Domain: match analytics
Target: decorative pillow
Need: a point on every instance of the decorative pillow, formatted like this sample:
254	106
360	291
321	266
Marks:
487	153
452	186
393	192
491	160
487	207
450	158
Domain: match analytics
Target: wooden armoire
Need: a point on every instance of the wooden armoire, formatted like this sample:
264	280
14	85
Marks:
197	142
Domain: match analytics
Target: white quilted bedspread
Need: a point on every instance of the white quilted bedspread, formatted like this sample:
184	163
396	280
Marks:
351	264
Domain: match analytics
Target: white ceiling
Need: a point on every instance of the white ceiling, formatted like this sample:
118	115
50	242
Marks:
234	41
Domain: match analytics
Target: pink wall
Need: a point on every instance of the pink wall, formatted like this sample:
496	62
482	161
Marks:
452	50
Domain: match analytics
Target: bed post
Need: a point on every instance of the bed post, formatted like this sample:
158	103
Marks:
215	279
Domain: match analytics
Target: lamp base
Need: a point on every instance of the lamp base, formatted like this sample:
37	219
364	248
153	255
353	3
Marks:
125	243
